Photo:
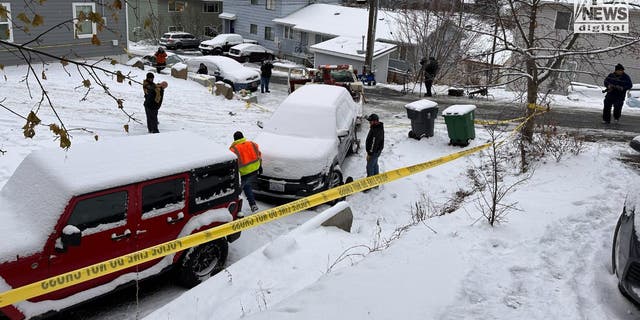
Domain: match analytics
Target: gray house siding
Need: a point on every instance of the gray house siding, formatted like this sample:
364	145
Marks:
257	14
588	68
192	19
61	41
138	12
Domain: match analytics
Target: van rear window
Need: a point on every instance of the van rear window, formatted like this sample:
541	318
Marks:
212	186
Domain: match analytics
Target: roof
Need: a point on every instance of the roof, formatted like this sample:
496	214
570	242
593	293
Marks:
227	16
40	188
351	47
339	21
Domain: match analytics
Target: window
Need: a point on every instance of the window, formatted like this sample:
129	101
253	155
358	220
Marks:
253	29
254	1
175	28
211	6
176	5
162	197
288	32
210	31
6	31
213	185
563	20
103	209
84	28
268	33
271	5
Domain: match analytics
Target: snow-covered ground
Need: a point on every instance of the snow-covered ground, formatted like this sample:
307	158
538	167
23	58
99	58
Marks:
548	260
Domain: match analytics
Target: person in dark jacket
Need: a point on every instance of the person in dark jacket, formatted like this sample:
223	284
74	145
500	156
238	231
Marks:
374	144
429	69
616	84
203	69
153	95
265	75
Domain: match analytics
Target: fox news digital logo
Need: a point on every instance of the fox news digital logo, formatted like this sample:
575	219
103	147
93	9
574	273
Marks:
598	16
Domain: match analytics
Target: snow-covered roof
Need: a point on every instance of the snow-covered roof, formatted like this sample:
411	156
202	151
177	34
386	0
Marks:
351	47
339	21
38	191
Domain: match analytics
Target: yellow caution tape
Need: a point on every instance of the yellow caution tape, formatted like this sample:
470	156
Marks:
116	264
492	122
537	107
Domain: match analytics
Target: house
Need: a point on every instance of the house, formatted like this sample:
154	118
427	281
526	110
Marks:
555	28
346	50
254	19
72	39
150	19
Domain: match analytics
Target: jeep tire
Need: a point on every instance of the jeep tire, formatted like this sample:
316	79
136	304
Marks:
200	263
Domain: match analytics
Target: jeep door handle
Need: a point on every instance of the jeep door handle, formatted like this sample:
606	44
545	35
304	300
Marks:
177	219
118	237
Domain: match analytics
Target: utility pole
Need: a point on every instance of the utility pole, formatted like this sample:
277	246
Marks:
371	36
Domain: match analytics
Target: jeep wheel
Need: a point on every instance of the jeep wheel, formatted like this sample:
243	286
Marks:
200	263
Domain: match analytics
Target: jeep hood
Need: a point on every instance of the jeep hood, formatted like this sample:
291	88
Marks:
290	157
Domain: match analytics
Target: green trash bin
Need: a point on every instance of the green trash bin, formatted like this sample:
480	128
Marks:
459	119
423	114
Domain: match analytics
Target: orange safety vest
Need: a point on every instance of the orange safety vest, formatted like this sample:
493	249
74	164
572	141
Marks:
248	154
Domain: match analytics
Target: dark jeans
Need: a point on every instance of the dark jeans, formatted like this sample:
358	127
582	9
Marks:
246	182
617	109
372	164
152	119
428	84
160	66
264	84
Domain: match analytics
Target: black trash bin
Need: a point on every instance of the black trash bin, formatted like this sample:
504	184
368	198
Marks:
423	115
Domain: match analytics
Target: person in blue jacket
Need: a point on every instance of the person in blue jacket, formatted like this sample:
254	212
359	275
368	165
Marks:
616	83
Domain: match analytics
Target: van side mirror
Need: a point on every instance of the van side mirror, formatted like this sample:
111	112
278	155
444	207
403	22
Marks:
71	236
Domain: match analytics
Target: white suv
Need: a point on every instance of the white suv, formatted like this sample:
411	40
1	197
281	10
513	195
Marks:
220	44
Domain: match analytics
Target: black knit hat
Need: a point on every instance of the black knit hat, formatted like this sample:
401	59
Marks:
238	135
149	75
373	117
619	67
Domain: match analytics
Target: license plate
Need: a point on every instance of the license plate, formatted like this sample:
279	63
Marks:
276	186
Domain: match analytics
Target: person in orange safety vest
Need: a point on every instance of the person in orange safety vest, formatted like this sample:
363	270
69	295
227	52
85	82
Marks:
249	164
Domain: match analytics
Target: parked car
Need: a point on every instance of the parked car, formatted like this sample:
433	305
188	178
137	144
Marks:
633	96
179	40
64	210
305	142
625	253
227	70
172	59
249	52
333	74
220	43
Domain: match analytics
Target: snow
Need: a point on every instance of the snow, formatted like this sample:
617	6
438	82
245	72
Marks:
351	47
549	260
420	105
458	109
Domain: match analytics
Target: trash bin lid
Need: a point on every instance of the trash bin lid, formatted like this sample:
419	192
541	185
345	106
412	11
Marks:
458	109
421	105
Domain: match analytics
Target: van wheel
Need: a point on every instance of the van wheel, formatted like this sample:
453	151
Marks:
178	46
217	51
200	263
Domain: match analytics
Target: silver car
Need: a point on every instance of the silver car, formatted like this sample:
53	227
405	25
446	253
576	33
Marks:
179	40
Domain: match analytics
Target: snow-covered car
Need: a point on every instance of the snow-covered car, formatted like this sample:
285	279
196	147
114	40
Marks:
172	59
250	52
220	43
625	252
305	142
227	70
633	96
65	210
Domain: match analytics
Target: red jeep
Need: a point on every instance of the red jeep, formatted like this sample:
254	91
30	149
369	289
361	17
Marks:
61	211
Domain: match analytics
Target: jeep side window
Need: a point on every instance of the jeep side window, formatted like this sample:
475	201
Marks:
102	209
162	197
213	185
